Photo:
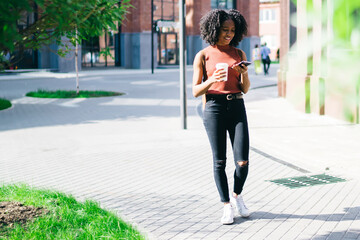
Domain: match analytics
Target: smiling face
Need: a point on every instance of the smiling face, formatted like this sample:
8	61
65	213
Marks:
227	32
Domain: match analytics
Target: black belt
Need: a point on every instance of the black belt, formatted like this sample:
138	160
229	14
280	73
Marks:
228	97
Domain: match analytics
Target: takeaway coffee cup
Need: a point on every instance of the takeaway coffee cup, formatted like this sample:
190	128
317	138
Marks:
224	66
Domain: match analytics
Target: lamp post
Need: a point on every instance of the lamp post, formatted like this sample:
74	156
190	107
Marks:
182	64
152	36
118	45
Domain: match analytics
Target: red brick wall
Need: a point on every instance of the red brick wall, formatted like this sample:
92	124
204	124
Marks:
250	10
139	17
145	22
284	29
284	46
195	9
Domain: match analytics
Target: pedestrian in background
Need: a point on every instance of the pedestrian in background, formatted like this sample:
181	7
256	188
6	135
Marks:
224	108
256	58
265	51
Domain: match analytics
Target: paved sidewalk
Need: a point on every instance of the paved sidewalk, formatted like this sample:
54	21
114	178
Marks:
130	154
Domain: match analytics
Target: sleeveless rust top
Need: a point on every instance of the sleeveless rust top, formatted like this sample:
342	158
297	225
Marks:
225	54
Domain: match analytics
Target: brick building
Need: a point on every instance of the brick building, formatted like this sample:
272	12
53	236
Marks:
319	57
130	45
136	30
269	18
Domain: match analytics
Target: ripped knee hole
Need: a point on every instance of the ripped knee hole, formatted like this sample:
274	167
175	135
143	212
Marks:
242	163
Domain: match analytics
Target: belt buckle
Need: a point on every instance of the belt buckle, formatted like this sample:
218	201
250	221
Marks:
229	97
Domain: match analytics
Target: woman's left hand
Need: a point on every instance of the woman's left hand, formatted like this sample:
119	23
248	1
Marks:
242	69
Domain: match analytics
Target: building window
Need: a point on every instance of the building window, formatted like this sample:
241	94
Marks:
222	4
111	39
270	41
267	15
166	10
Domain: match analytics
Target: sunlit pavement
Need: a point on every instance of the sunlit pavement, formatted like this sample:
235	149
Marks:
130	154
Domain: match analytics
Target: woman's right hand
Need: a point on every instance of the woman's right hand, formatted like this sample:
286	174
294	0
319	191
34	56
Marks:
200	87
218	75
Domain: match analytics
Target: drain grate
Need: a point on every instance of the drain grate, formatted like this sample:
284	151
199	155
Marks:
307	181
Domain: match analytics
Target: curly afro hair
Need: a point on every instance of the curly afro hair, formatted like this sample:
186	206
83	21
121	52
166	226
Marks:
210	25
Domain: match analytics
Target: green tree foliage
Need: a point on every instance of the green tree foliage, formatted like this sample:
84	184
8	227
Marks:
74	19
340	51
346	21
346	27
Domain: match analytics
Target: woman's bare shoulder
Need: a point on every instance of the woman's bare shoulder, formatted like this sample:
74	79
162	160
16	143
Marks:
199	56
201	53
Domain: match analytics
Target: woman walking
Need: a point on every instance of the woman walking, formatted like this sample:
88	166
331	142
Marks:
256	57
265	51
224	108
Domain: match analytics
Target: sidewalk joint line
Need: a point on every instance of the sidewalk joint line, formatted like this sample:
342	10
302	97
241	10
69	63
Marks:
265	86
279	160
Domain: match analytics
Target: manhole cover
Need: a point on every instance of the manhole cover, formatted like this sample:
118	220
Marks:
307	181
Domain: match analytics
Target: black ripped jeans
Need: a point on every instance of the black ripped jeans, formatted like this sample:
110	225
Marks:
222	116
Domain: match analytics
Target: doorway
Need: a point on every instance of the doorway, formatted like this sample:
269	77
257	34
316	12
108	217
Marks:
168	48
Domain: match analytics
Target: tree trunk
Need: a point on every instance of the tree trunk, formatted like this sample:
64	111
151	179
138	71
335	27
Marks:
76	65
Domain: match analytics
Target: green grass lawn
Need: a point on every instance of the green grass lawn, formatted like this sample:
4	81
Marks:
4	104
71	94
66	218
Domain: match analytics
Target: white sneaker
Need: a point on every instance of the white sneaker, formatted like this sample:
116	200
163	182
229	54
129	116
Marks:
228	215
240	206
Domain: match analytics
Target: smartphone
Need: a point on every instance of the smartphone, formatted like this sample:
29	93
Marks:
246	63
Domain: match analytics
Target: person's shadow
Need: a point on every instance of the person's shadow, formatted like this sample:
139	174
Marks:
350	214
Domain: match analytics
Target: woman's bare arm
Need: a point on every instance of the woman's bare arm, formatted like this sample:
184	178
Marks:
198	87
